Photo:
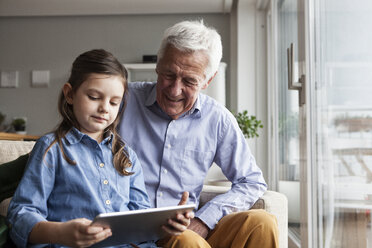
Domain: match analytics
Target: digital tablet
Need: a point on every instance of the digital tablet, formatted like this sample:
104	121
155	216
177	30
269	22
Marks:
138	225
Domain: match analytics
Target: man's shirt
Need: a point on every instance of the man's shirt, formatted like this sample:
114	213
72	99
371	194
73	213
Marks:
54	190
176	154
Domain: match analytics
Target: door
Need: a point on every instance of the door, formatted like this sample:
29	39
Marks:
288	122
323	146
342	91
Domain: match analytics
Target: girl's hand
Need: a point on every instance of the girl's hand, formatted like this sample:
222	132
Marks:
181	222
79	233
75	233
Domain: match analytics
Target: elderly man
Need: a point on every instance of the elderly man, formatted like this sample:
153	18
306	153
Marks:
178	132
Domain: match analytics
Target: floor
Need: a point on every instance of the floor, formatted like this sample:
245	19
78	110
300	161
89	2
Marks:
352	228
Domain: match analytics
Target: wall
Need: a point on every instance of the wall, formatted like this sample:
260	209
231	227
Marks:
52	43
248	56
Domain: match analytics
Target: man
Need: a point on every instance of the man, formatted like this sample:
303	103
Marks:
178	133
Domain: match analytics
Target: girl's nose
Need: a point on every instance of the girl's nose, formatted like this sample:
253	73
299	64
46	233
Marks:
103	107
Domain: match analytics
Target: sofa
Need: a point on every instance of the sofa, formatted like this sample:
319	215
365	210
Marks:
273	202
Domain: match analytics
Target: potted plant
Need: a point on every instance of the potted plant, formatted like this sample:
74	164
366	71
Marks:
249	124
19	124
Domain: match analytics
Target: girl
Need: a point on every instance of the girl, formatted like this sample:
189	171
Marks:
83	168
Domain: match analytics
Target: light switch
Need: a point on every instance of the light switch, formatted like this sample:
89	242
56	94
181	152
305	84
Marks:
40	79
9	79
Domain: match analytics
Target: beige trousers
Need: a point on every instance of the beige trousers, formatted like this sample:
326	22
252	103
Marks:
252	228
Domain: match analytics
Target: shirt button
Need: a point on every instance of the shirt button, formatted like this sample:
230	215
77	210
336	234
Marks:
165	171
108	202
160	194
169	146
105	182
101	165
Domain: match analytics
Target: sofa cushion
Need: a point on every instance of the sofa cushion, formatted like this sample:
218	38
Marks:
10	176
10	149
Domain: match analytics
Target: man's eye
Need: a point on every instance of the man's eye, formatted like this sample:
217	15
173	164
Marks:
189	82
169	76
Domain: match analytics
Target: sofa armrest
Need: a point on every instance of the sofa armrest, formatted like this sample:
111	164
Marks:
277	204
273	202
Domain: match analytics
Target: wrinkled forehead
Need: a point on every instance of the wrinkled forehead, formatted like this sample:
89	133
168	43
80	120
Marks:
173	59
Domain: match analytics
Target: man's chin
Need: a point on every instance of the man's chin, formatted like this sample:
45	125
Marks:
173	114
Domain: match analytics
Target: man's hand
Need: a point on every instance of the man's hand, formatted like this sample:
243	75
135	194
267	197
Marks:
199	227
196	224
179	224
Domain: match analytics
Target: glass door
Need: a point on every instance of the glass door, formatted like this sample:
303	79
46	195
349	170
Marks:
322	146
291	113
342	91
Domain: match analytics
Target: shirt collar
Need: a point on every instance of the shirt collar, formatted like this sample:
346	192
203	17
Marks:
151	98
75	136
195	111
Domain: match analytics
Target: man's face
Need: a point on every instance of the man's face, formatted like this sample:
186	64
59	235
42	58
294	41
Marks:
181	75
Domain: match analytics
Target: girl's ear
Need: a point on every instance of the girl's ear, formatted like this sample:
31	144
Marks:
67	91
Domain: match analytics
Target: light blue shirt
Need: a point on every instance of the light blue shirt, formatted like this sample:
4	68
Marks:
54	190
176	154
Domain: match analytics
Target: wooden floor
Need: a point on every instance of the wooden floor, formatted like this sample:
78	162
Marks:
352	229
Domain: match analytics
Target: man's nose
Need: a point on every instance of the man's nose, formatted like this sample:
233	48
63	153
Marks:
176	87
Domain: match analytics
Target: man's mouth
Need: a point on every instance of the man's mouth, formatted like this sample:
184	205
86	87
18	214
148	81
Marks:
174	99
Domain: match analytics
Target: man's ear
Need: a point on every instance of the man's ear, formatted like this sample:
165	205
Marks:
209	81
67	91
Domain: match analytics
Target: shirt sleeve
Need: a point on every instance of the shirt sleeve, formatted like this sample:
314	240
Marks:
138	198
29	203
239	166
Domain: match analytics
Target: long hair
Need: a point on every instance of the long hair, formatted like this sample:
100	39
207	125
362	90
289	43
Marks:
101	62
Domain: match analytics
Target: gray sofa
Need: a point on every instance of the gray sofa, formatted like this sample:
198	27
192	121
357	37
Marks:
273	202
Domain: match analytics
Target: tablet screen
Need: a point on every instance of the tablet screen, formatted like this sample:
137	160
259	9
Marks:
138	225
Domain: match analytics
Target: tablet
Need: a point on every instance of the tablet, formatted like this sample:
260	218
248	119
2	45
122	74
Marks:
137	225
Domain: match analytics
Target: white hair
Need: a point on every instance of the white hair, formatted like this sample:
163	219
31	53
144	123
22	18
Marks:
191	36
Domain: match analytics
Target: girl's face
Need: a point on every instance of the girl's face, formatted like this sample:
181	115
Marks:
96	103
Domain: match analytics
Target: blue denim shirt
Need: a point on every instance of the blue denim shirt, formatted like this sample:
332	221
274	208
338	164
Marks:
54	190
177	154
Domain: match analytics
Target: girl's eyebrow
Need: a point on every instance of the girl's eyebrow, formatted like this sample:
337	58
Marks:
92	90
116	97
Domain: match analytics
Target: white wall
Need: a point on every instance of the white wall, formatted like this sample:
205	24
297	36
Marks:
52	43
249	92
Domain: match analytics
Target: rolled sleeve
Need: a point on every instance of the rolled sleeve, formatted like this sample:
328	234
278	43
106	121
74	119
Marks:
28	205
210	215
24	224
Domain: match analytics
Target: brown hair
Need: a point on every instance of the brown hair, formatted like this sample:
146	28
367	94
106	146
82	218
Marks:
101	62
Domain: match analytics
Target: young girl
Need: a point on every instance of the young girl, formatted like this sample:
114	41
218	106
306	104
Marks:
83	168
